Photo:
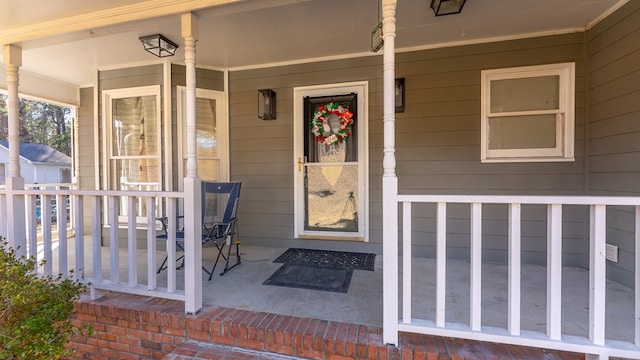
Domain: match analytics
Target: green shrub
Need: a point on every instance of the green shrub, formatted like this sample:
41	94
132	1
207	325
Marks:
35	311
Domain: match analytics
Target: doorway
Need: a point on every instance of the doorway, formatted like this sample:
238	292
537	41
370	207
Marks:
331	172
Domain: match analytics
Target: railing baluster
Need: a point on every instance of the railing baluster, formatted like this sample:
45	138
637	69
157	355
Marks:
132	245
441	256
475	267
515	266
78	220
114	241
96	238
32	227
61	222
406	262
597	273
171	245
3	215
47	242
554	271
152	275
637	270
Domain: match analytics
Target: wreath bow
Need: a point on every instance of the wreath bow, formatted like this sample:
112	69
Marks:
321	128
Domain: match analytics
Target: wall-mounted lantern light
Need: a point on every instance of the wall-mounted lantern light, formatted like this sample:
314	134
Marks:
266	104
399	94
158	45
447	7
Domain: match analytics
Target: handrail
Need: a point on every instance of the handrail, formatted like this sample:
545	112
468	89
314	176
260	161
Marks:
595	344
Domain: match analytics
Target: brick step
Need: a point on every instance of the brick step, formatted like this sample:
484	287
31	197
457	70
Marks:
307	338
201	351
140	328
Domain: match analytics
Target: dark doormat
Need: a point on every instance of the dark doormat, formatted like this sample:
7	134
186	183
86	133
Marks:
326	258
311	277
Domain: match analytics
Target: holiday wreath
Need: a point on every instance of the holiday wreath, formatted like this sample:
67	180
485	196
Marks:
321	128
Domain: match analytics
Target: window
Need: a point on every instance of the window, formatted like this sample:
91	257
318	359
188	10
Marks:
211	134
528	113
132	125
65	175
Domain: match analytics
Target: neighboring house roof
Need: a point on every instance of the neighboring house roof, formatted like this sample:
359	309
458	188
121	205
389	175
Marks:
40	153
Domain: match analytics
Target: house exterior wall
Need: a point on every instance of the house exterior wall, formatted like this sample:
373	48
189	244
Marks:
437	146
614	129
27	170
85	156
261	152
33	173
45	173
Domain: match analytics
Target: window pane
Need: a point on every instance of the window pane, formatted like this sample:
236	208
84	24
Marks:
522	132
135	126
206	142
136	174
332	198
535	93
208	169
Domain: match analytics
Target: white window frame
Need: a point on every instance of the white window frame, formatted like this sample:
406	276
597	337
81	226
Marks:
565	114
222	129
107	136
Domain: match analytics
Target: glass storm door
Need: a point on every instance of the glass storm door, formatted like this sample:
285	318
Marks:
330	169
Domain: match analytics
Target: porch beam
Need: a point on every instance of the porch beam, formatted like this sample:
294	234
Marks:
16	230
389	179
116	15
192	183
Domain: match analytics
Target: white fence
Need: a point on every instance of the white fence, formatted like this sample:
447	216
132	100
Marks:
596	345
89	260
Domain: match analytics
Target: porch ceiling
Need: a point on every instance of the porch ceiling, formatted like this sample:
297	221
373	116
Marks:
243	33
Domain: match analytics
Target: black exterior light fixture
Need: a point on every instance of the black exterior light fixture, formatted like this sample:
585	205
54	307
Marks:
266	104
399	95
159	45
447	7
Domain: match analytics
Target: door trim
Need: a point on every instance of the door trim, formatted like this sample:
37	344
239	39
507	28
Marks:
299	93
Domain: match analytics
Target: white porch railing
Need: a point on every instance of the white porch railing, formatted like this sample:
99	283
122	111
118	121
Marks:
596	345
89	261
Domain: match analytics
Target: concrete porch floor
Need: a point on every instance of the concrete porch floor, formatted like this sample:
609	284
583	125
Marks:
242	288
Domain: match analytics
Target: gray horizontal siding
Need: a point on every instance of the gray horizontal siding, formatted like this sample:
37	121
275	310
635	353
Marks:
437	139
614	132
86	149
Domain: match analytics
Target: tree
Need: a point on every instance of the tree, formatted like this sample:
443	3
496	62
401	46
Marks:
40	123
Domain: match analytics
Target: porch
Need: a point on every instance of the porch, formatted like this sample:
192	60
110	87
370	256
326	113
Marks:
442	302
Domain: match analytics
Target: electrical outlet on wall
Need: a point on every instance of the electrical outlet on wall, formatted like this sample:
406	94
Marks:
612	253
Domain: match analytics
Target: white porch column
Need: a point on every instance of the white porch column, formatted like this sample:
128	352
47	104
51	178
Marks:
389	180
16	233
192	183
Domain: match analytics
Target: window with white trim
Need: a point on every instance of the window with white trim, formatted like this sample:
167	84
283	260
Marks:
528	113
132	147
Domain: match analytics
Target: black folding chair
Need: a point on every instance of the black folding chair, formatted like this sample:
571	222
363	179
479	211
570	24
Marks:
219	225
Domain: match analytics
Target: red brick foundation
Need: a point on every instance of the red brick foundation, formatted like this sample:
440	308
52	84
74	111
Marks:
135	327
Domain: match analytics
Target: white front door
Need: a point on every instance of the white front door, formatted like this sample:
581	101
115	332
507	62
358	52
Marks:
331	173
